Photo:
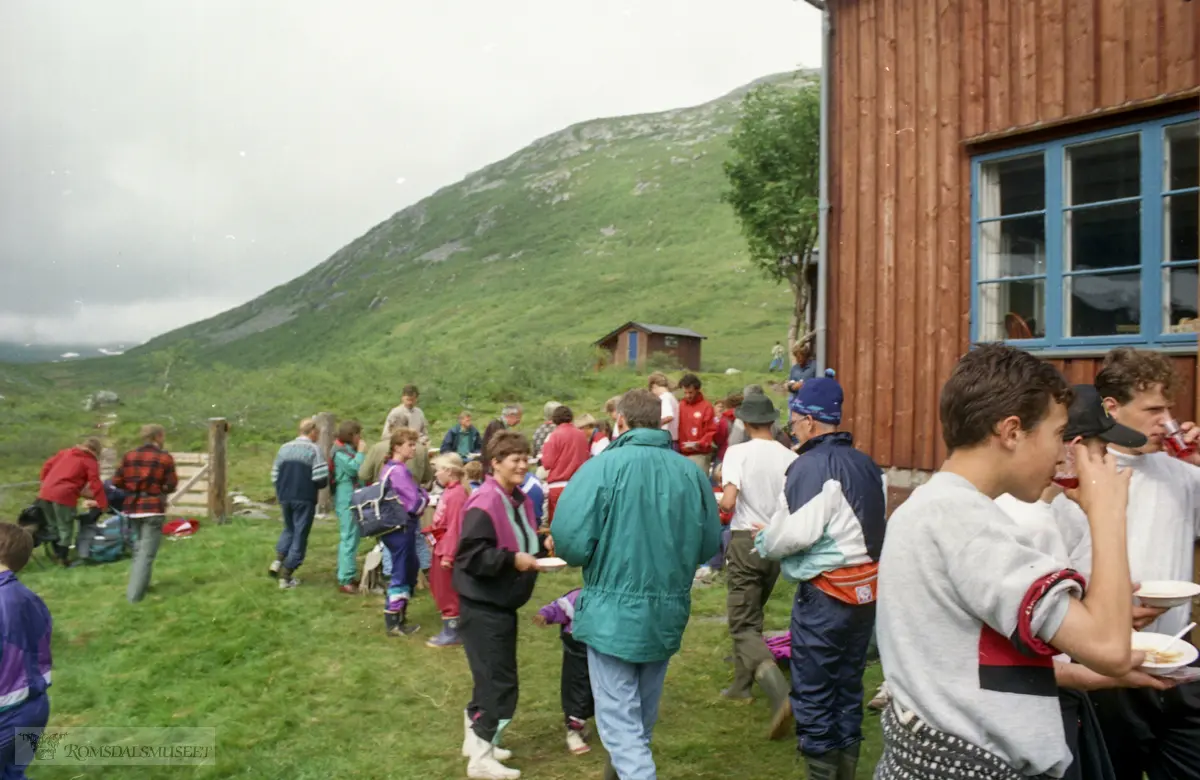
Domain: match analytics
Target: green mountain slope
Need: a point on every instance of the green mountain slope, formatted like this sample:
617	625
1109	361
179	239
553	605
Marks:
606	221
491	290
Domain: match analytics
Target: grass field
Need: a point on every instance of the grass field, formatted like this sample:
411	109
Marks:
304	685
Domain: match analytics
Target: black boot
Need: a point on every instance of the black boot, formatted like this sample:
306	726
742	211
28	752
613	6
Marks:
391	622
62	555
848	763
824	767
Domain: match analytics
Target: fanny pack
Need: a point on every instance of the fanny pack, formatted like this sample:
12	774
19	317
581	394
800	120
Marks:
855	585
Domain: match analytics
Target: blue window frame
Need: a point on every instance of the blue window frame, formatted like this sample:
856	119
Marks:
1090	241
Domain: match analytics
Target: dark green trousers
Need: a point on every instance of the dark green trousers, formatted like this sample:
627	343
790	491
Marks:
751	579
61	519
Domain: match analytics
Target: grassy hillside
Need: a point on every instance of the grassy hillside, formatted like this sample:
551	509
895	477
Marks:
492	289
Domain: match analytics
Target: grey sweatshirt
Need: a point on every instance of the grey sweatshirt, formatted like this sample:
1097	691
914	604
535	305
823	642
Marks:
966	605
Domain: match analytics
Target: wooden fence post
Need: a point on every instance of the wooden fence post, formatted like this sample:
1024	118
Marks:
218	487
327	425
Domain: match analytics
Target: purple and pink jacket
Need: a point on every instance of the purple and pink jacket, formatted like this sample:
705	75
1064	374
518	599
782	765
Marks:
561	611
25	628
412	496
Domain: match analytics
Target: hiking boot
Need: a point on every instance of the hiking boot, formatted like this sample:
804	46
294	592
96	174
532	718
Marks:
469	736
62	556
848	763
777	688
825	767
273	569
349	590
449	636
576	743
289	583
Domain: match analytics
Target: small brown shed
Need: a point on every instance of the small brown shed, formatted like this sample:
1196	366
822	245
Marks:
634	341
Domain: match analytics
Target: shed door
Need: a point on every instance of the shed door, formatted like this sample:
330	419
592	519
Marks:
633	341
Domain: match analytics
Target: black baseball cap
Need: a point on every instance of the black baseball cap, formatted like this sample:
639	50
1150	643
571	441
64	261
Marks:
1087	418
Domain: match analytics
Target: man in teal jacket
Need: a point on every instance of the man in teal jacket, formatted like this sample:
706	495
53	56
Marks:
640	519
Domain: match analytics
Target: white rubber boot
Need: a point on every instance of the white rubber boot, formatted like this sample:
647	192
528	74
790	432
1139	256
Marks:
469	734
483	764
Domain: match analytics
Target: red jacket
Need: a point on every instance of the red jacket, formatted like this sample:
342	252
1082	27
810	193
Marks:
697	423
564	452
724	426
65	475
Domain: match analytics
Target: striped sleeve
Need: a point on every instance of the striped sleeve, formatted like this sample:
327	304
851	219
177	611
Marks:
320	468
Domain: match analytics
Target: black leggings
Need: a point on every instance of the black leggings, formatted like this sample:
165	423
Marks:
577	702
489	636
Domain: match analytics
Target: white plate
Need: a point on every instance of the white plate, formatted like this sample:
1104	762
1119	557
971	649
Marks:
1165	594
1145	640
551	564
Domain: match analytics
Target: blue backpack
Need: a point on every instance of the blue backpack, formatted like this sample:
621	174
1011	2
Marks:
113	539
377	509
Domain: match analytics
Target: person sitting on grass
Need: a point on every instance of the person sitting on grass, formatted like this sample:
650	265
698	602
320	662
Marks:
401	543
65	477
494	573
349	451
463	438
577	702
25	629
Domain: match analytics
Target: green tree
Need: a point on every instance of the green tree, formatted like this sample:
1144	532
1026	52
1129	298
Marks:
773	176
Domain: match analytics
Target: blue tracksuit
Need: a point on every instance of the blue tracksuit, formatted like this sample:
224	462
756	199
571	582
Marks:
829	543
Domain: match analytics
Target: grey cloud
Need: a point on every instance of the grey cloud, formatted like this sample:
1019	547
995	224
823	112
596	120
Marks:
136	136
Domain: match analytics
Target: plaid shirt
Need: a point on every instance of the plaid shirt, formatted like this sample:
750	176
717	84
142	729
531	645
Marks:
147	475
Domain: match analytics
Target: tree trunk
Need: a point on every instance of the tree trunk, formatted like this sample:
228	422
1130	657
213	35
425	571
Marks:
798	323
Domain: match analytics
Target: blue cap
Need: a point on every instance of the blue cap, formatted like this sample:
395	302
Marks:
820	399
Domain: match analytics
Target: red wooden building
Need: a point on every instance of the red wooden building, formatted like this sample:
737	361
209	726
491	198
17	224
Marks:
633	342
1005	170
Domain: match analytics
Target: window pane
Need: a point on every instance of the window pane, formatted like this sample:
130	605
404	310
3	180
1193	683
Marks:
1181	221
1013	186
1179	299
1012	247
1104	170
1183	156
1103	304
1104	237
1012	310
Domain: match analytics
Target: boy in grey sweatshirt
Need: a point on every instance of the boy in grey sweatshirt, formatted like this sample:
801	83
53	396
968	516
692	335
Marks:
970	611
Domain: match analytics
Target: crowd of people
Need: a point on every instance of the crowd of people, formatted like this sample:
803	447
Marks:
1002	591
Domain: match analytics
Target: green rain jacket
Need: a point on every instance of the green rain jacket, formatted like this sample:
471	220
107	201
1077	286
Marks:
639	518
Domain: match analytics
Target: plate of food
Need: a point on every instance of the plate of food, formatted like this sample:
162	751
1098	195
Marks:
551	564
1165	594
1162	660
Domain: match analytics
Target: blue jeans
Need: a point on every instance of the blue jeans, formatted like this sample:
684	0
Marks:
829	654
776	364
627	698
293	539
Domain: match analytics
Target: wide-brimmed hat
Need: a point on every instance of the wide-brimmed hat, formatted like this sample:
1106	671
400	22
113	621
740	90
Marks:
1087	418
757	409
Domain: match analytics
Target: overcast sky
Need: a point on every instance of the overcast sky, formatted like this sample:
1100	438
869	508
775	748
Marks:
164	160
